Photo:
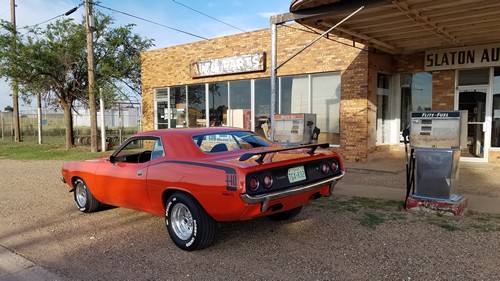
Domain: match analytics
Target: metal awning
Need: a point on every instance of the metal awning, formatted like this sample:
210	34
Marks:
403	26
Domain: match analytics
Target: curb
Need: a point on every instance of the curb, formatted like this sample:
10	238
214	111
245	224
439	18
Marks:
14	267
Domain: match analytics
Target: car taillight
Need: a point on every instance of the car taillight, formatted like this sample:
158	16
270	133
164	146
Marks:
325	168
268	180
335	166
254	183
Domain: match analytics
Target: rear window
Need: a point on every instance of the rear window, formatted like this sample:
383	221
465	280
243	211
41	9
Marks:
228	141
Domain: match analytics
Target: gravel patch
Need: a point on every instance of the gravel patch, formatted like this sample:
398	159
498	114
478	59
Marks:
39	221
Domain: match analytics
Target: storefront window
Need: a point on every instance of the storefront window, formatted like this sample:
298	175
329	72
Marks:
495	124
416	95
383	108
162	108
299	93
218	103
196	106
318	94
326	105
177	107
262	106
162	94
240	113
285	94
230	104
478	76
240	94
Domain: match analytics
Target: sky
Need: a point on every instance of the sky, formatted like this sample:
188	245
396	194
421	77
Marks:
246	15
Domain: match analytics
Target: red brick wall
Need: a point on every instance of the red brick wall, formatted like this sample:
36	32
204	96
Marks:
354	110
443	90
169	67
410	63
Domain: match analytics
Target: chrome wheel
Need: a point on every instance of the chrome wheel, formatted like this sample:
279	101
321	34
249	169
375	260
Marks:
81	194
182	221
188	224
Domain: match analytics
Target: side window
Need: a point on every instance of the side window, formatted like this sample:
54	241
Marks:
157	150
135	146
136	151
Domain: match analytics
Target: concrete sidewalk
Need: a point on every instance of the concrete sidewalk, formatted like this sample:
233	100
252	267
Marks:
395	167
14	267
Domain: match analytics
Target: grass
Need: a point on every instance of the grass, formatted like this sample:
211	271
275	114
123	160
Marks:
372	213
52	148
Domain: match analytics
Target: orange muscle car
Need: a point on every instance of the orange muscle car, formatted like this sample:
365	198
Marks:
197	178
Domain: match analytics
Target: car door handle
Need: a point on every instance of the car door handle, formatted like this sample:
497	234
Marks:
139	173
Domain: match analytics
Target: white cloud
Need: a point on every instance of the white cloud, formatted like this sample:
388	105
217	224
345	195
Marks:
31	12
267	15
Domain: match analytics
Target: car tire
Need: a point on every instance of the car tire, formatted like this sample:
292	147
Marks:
188	224
84	199
285	215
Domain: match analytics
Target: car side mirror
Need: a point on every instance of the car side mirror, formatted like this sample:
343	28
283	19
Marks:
112	159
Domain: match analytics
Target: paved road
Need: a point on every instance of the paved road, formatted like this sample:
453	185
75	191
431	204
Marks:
39	222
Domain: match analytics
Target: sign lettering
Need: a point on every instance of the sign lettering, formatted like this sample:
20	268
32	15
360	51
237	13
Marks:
435	114
463	57
228	65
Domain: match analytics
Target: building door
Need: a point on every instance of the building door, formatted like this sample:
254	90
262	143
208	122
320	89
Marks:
476	102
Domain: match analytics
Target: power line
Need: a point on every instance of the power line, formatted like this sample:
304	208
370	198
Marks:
69	12
192	9
150	21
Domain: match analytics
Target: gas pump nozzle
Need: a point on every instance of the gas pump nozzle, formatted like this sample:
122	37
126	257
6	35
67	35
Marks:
409	163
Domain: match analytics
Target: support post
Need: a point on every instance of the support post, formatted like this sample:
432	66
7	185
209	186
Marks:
103	127
274	72
15	87
90	62
39	115
3	123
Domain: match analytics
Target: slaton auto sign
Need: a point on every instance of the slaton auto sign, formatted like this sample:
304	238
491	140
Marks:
463	57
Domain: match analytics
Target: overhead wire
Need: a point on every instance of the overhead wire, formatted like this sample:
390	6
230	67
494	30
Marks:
69	12
199	12
150	21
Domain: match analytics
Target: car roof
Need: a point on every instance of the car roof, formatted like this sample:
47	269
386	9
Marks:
189	131
179	143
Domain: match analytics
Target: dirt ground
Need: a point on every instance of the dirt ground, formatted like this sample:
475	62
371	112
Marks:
39	221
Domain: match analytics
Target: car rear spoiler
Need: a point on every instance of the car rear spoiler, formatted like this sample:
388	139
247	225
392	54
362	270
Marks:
263	154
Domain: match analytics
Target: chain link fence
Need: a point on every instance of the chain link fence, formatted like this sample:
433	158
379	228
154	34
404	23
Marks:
120	121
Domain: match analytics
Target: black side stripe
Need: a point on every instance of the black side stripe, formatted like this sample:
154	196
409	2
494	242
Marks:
230	172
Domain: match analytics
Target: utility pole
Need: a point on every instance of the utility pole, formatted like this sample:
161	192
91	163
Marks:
90	61
15	88
39	115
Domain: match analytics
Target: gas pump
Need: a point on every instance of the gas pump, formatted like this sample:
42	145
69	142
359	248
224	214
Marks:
436	138
295	129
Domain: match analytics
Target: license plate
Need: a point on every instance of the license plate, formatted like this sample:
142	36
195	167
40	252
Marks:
296	174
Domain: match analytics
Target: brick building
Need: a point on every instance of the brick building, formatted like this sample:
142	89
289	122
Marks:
360	89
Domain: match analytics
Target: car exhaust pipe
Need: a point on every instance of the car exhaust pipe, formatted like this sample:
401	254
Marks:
276	207
315	196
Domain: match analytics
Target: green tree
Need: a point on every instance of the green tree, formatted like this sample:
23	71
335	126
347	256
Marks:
54	60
